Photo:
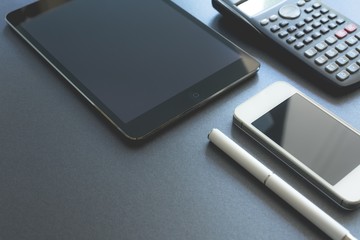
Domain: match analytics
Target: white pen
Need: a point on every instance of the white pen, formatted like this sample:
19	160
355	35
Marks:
303	205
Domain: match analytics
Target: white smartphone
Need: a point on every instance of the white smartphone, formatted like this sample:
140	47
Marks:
308	138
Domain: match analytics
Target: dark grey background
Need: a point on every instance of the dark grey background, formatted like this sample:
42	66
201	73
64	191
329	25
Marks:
66	173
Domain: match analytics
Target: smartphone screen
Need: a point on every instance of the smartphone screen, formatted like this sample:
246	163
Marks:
315	138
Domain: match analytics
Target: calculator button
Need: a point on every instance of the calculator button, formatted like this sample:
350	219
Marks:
316	24
324	30
316	35
341	47
301	3
299	45
308	19
283	34
290	11
340	21
274	28
273	18
352	54
358	35
300	34
316	14
264	22
341	34
324	20
309	10
332	25
316	5
310	52
332	16
321	60
342	61
358	48
308	29
343	75
353	68
351	28
351	41
331	40
321	46
291	29
324	10
300	24
291	40
331	53
283	23
332	67
308	40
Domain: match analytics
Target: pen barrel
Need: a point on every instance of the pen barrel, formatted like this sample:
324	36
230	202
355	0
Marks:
237	153
295	199
309	210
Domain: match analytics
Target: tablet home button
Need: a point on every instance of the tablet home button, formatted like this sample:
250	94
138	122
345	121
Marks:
196	95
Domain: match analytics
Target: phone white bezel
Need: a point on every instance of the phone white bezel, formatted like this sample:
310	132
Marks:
342	192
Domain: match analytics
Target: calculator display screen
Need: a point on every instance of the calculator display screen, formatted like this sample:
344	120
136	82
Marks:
253	7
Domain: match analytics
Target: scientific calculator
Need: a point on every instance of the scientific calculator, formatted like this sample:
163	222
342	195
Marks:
321	37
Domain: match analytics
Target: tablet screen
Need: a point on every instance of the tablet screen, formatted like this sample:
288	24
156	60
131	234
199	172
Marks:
129	57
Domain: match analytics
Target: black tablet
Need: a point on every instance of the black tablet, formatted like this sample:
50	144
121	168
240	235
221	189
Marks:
142	64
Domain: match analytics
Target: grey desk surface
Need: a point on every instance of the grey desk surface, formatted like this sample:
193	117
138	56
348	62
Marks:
65	173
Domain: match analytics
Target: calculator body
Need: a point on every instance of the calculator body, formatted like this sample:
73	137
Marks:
316	34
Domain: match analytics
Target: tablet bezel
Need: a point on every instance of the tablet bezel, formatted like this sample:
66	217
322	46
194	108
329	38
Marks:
163	114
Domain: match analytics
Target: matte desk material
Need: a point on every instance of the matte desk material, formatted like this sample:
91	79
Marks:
65	173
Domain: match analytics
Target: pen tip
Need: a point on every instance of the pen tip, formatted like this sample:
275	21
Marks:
208	136
210	133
